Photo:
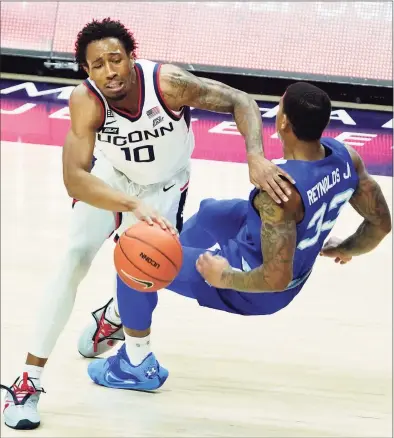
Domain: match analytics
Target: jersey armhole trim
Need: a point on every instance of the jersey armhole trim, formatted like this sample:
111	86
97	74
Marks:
302	205
94	93
159	94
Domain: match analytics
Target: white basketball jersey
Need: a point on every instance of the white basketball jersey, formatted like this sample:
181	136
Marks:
152	145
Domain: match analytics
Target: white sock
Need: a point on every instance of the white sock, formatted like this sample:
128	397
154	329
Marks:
115	301
34	372
137	349
112	314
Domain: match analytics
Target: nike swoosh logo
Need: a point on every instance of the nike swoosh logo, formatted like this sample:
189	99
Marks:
147	284
165	189
111	378
110	123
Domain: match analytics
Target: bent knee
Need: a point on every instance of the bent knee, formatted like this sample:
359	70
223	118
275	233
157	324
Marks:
213	210
208	210
81	255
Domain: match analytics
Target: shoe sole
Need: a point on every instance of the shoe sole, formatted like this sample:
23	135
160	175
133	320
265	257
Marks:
162	381
87	357
24	425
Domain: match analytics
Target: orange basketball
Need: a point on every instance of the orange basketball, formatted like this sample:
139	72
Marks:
147	258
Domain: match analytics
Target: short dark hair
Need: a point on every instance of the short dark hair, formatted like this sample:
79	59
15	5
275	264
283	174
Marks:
98	30
308	109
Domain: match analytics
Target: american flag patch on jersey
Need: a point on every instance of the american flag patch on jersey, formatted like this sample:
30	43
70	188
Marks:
153	112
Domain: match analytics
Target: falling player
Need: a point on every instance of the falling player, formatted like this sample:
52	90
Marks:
267	251
132	119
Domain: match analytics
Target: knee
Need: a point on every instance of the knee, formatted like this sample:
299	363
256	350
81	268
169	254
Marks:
206	203
81	255
206	209
214	210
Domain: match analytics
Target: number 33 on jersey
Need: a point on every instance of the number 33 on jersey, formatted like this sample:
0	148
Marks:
325	187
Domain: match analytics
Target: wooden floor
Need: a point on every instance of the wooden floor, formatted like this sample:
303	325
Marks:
320	368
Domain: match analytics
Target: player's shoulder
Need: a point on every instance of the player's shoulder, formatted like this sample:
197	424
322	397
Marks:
292	209
174	83
80	91
345	150
165	73
84	107
143	62
294	206
82	97
171	74
165	69
355	157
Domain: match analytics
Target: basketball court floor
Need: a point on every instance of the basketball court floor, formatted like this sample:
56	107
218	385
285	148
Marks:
320	368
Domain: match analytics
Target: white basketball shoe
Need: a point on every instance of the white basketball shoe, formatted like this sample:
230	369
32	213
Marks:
100	335
20	404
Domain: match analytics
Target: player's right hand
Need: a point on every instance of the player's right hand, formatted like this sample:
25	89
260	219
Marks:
333	250
145	213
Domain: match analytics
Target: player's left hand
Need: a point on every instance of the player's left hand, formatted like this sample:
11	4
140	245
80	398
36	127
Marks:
144	212
333	250
266	175
211	268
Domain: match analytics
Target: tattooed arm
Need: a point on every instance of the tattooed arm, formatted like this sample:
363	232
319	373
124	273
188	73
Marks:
181	88
368	200
278	243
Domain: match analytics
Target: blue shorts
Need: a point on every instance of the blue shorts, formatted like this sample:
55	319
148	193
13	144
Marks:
218	222
190	283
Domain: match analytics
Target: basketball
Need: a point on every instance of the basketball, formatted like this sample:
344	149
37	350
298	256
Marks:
147	258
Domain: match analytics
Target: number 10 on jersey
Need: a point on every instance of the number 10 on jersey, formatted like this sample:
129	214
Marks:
141	154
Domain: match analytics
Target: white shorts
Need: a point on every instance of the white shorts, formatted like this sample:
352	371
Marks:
168	198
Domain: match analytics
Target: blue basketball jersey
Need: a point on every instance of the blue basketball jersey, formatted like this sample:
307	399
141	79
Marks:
325	187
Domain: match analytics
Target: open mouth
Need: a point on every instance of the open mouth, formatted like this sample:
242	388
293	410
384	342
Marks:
115	86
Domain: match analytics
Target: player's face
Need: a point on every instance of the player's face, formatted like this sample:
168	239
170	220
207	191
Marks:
109	66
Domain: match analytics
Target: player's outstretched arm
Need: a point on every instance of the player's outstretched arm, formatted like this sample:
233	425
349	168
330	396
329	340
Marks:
86	117
368	200
181	88
278	243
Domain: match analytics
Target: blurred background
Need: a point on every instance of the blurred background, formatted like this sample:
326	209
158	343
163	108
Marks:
259	47
269	43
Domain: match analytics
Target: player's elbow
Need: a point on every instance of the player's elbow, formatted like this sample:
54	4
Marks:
383	224
242	99
386	229
386	225
283	281
71	182
70	186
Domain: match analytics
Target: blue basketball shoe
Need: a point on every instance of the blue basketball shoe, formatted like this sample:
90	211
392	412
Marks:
117	372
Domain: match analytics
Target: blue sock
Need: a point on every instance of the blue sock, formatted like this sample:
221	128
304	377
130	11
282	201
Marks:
135	308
